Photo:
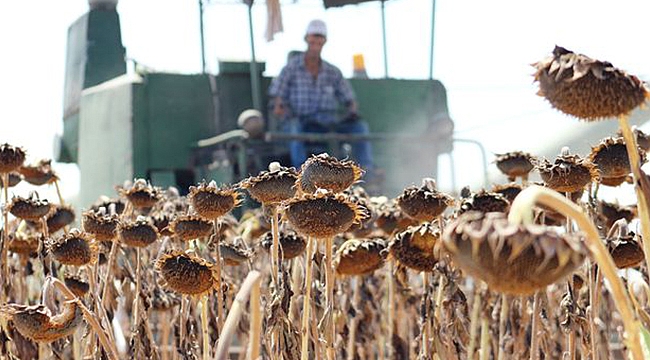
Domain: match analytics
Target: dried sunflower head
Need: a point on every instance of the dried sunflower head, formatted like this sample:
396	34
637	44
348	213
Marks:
360	256
38	324
322	214
233	255
75	248
211	202
511	258
79	287
327	172
642	139
515	164
141	194
417	247
186	274
391	219
11	158
31	208
423	203
40	173
100	224
273	186
190	227
25	242
360	198
161	222
484	201
63	215
568	173
110	205
610	157
291	244
162	300
509	190
609	213
626	251
586	88
14	179
139	233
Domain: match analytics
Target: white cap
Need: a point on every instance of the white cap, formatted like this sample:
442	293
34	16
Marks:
316	27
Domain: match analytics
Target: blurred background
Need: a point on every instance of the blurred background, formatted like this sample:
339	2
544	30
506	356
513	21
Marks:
482	54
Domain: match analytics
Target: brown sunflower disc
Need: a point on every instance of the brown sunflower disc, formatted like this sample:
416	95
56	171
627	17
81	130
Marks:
62	216
74	248
186	274
38	324
321	215
140	233
586	88
327	172
190	227
515	164
272	187
211	202
511	258
29	209
102	227
11	158
415	247
292	244
360	256
79	287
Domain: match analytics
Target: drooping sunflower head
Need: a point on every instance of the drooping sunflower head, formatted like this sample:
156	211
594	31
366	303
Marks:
515	164
423	203
186	274
211	202
273	186
327	172
586	88
322	214
511	258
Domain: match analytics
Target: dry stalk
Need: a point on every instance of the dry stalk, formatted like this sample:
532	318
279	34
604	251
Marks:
485	337
164	337
354	323
218	268
391	308
306	302
474	321
594	288
255	331
204	327
534	332
521	211
503	319
635	164
275	247
330	330
426	325
5	236
230	327
90	317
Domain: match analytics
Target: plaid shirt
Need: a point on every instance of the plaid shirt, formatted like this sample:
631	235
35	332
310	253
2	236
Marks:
311	99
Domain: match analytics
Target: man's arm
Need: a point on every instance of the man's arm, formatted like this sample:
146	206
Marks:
279	89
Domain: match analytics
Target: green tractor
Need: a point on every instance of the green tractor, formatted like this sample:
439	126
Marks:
178	129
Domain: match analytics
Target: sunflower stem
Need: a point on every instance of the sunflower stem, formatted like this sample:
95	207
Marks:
306	302
255	331
426	326
635	164
485	337
275	247
218	263
230	327
503	320
90	317
521	212
391	309
474	321
330	331
138	285
5	236
204	327
356	299
534	338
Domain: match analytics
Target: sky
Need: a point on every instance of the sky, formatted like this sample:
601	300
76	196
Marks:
483	55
